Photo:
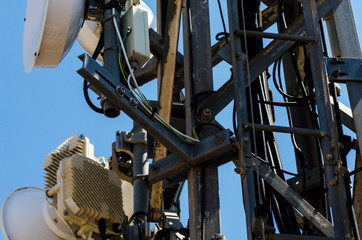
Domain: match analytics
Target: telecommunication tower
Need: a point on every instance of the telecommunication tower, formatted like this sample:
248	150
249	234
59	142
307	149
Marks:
322	200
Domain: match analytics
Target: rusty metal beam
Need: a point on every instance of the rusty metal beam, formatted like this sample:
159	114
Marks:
166	80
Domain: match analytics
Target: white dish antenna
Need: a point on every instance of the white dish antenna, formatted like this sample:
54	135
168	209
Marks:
25	214
51	27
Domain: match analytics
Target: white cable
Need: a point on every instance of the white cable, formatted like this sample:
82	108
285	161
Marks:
157	117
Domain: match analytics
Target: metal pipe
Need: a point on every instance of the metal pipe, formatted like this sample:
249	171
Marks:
110	58
282	129
140	169
281	36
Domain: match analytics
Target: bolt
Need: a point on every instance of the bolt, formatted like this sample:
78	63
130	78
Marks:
239	170
345	171
237	145
245	139
336	72
324	136
245	126
133	102
238	56
154	168
219	236
120	91
206	114
333	182
219	138
329	157
340	146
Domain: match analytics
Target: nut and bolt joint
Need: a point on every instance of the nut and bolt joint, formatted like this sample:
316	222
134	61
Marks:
154	168
134	102
120	91
329	157
219	138
206	114
238	56
237	145
219	236
239	170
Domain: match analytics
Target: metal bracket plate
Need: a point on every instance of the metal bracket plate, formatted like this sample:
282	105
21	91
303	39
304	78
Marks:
342	70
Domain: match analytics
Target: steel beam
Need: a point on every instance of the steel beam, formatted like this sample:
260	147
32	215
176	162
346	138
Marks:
238	90
157	45
121	98
270	16
313	181
210	147
332	161
204	206
293	198
264	59
344	43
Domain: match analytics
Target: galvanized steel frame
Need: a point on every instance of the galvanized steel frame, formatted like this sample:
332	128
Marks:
204	216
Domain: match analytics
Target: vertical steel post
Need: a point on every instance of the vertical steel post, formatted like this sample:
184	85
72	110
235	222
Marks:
140	169
204	206
247	174
110	57
140	184
344	43
332	161
300	117
110	44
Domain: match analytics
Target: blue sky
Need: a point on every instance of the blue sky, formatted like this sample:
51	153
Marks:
43	108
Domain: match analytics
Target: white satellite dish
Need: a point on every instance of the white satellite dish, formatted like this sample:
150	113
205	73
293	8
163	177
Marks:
51	27
25	214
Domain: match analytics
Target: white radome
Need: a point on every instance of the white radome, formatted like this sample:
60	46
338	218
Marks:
25	214
51	27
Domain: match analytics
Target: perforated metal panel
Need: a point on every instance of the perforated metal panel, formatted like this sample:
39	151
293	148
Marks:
73	145
88	192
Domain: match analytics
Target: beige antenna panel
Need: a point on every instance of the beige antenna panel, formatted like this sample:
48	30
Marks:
87	192
73	145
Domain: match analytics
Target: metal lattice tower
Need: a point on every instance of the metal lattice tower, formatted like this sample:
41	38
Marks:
317	202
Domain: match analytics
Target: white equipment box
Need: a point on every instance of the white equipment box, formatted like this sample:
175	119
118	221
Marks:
136	35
